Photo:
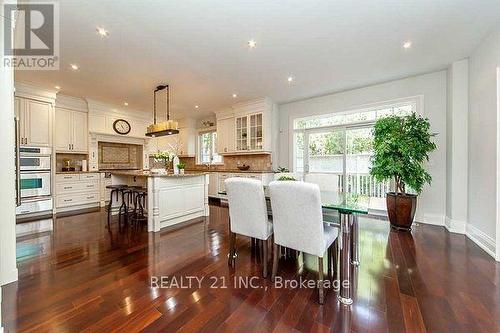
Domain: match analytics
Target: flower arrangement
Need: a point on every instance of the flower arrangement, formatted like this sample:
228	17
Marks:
163	156
181	165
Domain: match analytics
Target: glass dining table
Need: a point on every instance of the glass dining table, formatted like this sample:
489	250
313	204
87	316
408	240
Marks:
349	206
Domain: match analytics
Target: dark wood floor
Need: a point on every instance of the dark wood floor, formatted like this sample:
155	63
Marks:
83	278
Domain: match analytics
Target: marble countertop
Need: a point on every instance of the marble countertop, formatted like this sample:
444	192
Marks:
75	172
231	171
141	173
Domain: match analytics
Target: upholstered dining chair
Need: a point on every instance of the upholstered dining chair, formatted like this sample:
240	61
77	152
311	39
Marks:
248	215
298	224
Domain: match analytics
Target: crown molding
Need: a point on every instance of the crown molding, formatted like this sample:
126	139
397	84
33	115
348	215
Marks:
71	103
31	91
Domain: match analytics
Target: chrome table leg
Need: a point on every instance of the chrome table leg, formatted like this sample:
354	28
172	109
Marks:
355	240
345	296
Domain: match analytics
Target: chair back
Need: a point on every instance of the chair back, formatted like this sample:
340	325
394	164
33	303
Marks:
297	216
247	207
325	181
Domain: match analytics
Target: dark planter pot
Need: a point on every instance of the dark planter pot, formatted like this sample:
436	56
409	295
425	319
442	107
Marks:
401	210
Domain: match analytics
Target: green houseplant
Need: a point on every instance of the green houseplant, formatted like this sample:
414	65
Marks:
401	146
181	166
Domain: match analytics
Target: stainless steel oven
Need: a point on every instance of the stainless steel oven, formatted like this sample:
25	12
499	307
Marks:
33	179
34	158
35	184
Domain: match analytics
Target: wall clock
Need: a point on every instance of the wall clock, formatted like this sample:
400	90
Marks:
121	126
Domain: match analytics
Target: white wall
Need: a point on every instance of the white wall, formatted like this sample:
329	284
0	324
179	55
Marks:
483	144
432	201
8	270
457	146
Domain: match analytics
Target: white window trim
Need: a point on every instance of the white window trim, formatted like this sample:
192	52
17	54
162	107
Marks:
417	99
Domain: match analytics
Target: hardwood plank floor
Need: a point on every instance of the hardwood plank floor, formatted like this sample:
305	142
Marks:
82	277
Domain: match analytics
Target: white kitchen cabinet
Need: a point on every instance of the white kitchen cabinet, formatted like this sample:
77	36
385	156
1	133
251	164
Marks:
35	122
225	135
77	191
71	131
247	128
264	177
213	184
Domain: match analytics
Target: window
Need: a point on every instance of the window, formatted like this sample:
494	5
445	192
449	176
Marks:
335	150
207	148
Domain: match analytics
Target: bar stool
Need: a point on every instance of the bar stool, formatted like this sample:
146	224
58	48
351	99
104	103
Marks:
117	190
139	214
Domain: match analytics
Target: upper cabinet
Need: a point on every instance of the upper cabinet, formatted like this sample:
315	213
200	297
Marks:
245	128
71	135
225	135
71	125
35	122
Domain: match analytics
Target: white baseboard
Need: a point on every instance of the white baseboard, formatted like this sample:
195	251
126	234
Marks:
482	240
433	219
455	226
10	276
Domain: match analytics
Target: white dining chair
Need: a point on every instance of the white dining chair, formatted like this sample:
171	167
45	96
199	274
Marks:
248	215
298	224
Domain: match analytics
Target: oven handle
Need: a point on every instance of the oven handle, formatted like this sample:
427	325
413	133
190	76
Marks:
18	163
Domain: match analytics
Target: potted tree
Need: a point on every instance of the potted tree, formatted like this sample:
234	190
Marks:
401	146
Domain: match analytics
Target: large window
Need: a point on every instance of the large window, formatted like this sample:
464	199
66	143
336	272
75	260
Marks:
335	150
207	148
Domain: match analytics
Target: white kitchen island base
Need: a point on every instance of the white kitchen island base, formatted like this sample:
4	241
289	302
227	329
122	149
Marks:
172	199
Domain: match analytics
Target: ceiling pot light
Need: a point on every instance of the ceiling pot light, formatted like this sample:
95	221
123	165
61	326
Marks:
252	43
168	127
407	44
102	32
196	106
125	103
290	79
58	87
74	67
234	95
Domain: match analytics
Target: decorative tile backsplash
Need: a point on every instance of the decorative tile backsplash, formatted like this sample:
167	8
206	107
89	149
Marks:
261	162
119	156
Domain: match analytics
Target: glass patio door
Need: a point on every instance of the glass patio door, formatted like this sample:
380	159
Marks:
324	158
339	159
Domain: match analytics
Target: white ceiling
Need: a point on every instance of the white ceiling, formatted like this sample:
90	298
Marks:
199	47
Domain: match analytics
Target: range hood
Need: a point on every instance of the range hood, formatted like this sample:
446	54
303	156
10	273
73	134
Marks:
168	127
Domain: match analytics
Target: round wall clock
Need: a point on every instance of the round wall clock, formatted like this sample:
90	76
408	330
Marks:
121	126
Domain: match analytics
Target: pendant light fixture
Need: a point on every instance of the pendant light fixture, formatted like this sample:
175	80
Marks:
168	127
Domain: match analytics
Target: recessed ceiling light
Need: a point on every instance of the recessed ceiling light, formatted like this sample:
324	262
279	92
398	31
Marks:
252	43
290	79
125	103
74	67
102	32
407	44
196	106
234	95
57	87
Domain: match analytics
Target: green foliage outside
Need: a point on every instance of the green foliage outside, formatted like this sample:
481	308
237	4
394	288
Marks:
401	146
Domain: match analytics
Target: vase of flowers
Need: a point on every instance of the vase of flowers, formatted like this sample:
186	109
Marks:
163	157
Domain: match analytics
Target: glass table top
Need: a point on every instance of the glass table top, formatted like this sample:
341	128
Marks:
346	203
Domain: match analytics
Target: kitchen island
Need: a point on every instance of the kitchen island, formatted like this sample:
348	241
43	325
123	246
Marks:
172	199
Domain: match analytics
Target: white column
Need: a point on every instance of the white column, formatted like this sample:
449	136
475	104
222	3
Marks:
8	269
457	146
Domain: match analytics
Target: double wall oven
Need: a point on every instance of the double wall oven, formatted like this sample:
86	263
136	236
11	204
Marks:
33	181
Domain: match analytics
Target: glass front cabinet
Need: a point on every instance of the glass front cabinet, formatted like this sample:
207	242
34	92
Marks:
249	132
